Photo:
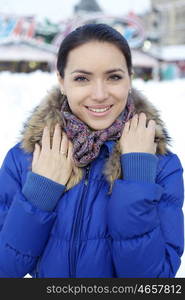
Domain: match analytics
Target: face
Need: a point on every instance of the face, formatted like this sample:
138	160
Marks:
96	83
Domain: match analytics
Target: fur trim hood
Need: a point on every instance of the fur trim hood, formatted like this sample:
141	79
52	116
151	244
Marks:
48	113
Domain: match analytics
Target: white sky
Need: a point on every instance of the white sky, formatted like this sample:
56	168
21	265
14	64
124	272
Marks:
56	10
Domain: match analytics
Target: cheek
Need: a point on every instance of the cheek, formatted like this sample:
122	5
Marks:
74	104
123	96
76	97
122	101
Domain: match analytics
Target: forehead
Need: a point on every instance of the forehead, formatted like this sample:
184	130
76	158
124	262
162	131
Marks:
96	54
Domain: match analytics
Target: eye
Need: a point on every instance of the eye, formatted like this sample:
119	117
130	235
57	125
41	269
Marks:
115	77
80	78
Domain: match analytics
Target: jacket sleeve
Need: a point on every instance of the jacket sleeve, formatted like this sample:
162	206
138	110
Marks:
24	228
145	221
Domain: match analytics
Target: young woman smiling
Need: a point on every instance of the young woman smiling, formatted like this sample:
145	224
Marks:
92	189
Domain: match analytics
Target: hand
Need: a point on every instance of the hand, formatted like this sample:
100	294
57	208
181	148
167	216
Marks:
53	161
136	137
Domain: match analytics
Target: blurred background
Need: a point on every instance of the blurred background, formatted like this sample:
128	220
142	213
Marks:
31	32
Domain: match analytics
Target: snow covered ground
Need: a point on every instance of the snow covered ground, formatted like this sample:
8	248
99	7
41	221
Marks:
20	93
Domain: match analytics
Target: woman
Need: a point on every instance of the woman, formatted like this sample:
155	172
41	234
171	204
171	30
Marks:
92	190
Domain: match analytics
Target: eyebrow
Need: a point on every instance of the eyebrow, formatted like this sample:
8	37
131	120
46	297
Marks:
107	72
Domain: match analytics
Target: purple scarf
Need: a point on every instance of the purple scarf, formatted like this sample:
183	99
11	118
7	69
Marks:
87	142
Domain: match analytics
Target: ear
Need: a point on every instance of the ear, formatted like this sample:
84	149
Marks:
61	82
132	75
130	82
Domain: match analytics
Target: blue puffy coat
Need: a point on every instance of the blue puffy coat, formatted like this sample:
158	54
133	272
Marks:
136	231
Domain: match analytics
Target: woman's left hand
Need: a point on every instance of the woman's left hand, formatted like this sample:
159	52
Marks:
137	137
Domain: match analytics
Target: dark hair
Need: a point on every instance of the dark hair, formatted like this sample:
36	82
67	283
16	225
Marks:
90	32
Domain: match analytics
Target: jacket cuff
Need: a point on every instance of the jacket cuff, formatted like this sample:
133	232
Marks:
42	192
139	166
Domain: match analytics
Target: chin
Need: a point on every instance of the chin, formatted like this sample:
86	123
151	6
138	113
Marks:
96	127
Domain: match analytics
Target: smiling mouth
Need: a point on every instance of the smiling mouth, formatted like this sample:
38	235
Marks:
99	110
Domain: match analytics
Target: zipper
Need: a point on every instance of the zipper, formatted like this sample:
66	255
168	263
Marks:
87	175
76	231
37	267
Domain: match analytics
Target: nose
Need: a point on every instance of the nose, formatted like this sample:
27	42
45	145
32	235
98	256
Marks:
99	91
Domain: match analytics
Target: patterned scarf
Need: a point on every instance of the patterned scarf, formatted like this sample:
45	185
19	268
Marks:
87	142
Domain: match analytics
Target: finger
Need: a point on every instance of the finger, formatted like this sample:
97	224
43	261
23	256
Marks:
64	144
46	139
152	127
36	153
134	122
151	124
126	127
155	147
142	120
70	150
57	138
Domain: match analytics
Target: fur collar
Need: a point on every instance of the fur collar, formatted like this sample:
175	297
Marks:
48	113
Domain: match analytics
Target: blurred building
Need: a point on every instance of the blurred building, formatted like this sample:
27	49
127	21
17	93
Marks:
165	36
130	26
27	45
25	56
90	6
166	22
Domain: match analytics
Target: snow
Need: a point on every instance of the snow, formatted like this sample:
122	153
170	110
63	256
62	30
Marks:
20	93
170	53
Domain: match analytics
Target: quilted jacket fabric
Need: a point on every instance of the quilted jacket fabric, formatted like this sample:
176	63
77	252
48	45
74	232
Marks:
137	231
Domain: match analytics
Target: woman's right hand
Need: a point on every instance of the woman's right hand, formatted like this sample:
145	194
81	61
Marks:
54	161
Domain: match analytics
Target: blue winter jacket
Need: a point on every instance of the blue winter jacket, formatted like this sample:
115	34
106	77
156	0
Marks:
137	231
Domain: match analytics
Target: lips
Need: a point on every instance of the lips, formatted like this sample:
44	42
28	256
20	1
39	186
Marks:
99	111
99	108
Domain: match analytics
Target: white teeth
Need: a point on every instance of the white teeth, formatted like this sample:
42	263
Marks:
99	109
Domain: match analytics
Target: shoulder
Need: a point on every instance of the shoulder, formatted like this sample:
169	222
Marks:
168	163
16	157
168	158
18	151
